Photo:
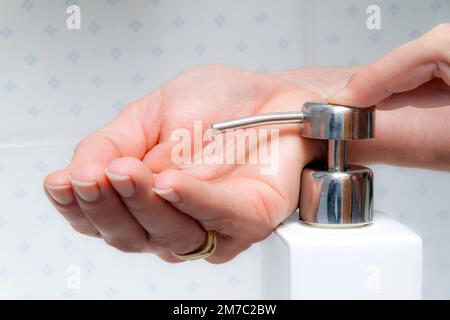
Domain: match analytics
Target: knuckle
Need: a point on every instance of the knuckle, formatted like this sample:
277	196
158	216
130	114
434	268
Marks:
375	69
257	229
81	144
171	260
441	32
99	216
178	243
229	255
372	67
210	72
224	224
201	75
261	232
125	245
159	242
183	246
169	242
213	67
87	232
216	260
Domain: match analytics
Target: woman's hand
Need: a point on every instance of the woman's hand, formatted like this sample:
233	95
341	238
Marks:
415	74
122	184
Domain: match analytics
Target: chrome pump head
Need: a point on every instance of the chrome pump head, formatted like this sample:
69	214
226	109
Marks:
333	193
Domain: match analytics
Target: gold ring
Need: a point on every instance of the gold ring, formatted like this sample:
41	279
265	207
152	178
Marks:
204	252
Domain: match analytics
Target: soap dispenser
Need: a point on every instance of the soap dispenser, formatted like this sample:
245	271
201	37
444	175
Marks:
338	248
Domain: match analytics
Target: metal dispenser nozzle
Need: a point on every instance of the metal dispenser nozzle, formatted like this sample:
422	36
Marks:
334	193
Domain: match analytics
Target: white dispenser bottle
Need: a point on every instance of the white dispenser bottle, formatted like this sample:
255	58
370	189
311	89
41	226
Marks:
382	260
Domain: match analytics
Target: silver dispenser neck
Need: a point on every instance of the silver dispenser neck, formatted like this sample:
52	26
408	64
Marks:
259	120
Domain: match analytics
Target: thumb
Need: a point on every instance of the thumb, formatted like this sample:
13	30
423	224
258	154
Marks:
218	206
214	206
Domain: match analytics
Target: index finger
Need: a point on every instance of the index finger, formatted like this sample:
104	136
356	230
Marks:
404	69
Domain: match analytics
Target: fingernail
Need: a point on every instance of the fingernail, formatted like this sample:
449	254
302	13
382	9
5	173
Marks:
122	184
61	194
88	191
167	194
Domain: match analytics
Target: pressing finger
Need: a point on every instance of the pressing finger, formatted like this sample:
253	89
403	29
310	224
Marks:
401	70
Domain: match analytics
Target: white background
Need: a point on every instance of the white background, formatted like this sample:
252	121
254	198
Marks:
58	85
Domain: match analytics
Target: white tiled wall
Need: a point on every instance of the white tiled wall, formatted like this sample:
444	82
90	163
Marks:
58	85
340	36
61	83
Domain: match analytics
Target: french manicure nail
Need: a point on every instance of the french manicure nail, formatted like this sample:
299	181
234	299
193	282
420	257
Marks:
61	194
122	184
88	191
167	194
